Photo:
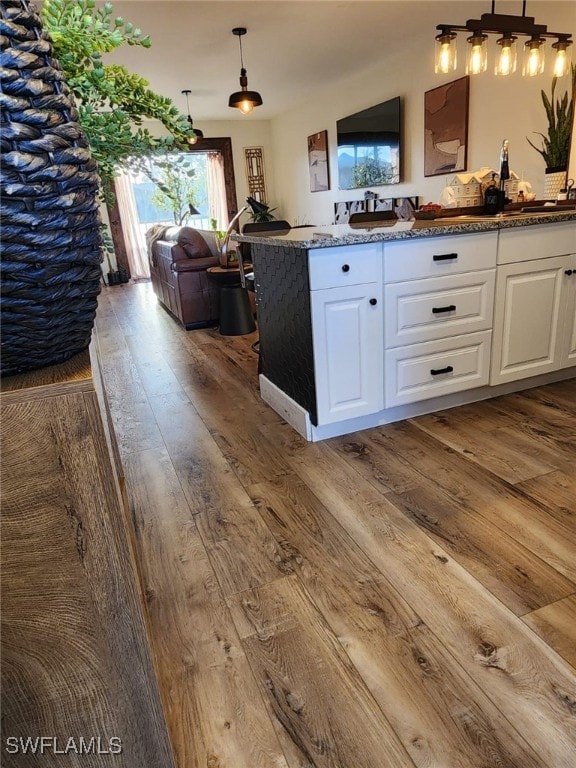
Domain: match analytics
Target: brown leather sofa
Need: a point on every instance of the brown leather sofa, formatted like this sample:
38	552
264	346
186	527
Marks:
179	258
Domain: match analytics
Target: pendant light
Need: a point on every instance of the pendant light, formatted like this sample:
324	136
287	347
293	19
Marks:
195	134
244	100
508	28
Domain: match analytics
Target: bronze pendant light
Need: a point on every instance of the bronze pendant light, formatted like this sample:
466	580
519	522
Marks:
195	133
244	100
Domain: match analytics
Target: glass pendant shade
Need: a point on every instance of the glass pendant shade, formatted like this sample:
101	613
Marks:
506	59
478	54
563	58
533	57
445	53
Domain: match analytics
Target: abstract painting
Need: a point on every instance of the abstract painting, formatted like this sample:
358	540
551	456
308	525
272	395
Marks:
318	162
446	128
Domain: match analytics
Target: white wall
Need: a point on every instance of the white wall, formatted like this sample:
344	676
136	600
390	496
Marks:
248	133
500	108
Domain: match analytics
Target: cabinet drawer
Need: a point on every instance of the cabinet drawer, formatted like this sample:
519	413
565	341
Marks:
436	368
536	242
424	310
345	265
436	256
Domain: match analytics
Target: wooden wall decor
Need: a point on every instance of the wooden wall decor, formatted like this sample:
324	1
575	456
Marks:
255	173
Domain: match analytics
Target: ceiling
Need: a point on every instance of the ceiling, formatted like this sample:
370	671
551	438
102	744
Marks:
292	49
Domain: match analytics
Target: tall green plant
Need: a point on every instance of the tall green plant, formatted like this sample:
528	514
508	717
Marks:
111	100
560	114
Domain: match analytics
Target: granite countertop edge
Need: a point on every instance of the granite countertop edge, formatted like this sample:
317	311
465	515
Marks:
319	237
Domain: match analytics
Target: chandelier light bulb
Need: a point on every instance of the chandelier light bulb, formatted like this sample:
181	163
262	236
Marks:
445	52
477	57
533	57
246	107
563	58
506	61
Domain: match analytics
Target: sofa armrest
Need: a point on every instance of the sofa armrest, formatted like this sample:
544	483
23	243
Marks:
194	265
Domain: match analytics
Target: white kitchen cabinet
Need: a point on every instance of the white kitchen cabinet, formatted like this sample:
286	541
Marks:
535	304
348	351
534	319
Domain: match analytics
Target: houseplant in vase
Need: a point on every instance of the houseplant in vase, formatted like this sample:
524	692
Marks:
556	144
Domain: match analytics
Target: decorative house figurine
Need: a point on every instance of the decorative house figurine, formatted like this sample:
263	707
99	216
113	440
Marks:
469	188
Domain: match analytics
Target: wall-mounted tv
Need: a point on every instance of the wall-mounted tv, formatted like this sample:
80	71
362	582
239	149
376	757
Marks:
369	146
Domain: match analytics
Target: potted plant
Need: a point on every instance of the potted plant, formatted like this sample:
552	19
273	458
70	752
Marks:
556	144
260	211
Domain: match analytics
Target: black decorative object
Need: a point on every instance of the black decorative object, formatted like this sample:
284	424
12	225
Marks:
51	238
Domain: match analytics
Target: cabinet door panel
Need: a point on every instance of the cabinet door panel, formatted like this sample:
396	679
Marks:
528	332
348	352
569	303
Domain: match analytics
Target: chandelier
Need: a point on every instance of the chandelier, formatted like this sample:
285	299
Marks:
509	28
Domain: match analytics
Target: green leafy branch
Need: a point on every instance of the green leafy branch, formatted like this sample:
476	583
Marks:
111	101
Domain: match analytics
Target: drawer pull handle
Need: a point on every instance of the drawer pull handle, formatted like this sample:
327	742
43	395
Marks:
345	267
449	308
440	371
444	256
568	272
373	302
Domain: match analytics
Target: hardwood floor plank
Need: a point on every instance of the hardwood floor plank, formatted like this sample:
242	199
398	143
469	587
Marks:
518	577
442	718
324	715
556	492
556	623
233	417
476	491
529	683
215	713
134	423
241	549
495	448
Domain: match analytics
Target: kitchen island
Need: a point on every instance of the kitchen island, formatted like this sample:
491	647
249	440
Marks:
362	326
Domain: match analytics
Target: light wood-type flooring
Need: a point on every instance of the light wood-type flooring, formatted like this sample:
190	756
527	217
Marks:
403	596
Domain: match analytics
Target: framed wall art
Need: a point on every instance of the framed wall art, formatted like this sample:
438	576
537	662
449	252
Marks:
318	162
446	128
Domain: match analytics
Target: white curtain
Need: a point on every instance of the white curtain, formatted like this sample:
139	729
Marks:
217	189
136	248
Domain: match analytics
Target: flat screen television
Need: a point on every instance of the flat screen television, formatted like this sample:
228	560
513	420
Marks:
369	146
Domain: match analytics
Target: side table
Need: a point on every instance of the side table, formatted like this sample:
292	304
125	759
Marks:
236	317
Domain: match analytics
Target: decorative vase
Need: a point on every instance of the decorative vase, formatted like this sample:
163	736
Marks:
554	181
51	238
